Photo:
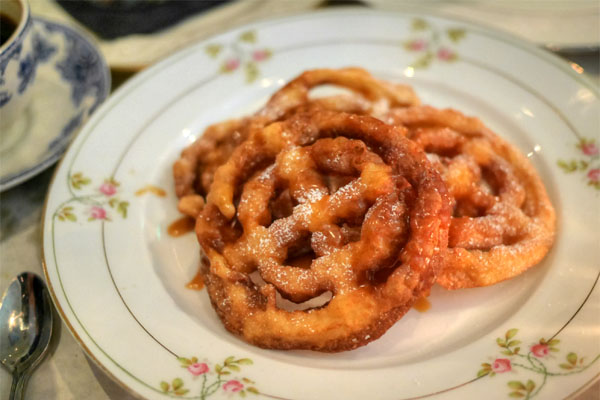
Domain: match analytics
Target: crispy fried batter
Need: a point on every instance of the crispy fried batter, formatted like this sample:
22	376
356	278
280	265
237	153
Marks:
321	225
392	194
194	170
503	222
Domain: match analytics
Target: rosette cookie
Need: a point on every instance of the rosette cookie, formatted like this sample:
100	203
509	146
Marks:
503	222
321	231
363	94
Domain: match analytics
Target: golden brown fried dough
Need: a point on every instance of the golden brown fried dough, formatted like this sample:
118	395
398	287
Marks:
374	242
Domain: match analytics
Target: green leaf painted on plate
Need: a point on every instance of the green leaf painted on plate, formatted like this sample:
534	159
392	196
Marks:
423	61
122	208
78	180
456	34
530	386
213	50
164	386
177	383
248	37
184	361
511	333
516	385
229	359
567	166
251	71
419	24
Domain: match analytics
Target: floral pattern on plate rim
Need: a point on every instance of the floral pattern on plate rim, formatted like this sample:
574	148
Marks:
535	361
430	44
240	52
240	55
100	201
97	203
587	163
213	380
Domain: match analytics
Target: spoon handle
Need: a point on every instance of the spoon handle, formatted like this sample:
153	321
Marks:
17	390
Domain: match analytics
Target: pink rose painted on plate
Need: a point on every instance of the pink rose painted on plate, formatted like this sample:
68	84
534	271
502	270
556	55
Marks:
98	212
501	365
108	189
594	175
231	64
590	149
260	55
233	386
417	45
540	350
198	368
445	54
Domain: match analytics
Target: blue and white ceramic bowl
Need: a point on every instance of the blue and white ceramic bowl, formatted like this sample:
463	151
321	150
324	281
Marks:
18	60
71	80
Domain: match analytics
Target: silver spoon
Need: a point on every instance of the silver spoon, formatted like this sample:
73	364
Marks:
26	323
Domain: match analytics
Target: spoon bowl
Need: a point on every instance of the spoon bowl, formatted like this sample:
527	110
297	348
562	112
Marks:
26	323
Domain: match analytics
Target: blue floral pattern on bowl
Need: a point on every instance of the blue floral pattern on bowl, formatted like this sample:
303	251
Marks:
82	67
71	75
16	61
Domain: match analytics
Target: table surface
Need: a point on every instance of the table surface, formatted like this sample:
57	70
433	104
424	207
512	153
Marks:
67	373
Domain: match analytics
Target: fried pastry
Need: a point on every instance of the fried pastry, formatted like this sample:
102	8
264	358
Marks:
374	235
322	220
503	222
193	171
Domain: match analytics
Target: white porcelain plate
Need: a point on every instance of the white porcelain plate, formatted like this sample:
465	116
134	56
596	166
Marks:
119	279
71	81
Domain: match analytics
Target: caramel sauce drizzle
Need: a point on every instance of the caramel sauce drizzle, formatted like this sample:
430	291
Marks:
197	283
422	304
155	190
181	226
